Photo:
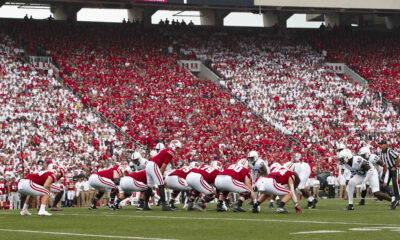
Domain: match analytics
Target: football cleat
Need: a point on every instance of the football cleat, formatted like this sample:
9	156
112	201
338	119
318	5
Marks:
92	207
200	206
165	207
25	213
361	202
315	203
394	204
190	206
44	213
146	208
255	209
228	202
349	207
221	208
310	205
173	207
281	210
56	209
237	208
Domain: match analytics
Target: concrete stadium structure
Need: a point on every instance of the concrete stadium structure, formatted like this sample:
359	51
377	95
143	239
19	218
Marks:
374	13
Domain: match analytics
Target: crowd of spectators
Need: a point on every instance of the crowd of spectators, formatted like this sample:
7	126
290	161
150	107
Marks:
374	54
129	74
284	80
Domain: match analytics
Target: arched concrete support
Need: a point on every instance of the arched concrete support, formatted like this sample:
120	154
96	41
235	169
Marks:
65	11
141	14
213	17
392	21
271	19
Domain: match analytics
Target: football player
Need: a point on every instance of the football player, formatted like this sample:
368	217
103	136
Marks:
133	182
155	169
234	178
258	166
280	182
363	172
138	161
104	181
383	174
176	181
201	181
38	184
303	170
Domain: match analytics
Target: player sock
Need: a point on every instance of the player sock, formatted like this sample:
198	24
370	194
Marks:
25	206
58	198
42	207
220	202
363	194
161	189
310	199
147	195
281	204
240	203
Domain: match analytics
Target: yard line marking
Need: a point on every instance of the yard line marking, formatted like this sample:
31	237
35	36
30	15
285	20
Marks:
231	219
364	229
83	235
319	231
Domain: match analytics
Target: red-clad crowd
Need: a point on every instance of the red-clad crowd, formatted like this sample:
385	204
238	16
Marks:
128	74
374	54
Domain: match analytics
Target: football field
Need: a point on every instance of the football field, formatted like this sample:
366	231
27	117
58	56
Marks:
327	221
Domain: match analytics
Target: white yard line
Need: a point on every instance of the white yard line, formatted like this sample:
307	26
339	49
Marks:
82	235
319	231
231	219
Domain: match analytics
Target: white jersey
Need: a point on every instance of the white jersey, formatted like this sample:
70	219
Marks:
355	167
142	164
256	168
373	159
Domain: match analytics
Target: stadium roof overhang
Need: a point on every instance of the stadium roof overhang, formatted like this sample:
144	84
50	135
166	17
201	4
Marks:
294	6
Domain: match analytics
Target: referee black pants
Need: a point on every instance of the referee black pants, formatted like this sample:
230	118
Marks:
394	176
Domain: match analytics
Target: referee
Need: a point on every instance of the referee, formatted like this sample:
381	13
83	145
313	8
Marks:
392	160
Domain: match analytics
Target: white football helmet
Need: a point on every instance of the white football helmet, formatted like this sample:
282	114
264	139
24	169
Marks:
174	144
217	165
136	156
340	147
160	146
243	162
364	152
345	155
252	156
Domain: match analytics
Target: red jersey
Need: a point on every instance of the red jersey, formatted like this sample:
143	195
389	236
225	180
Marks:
139	176
70	186
109	173
209	173
182	172
41	177
14	186
3	187
237	172
164	156
281	175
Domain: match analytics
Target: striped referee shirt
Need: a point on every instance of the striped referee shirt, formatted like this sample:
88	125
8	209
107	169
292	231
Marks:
389	157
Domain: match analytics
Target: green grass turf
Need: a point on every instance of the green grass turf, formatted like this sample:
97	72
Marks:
180	224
